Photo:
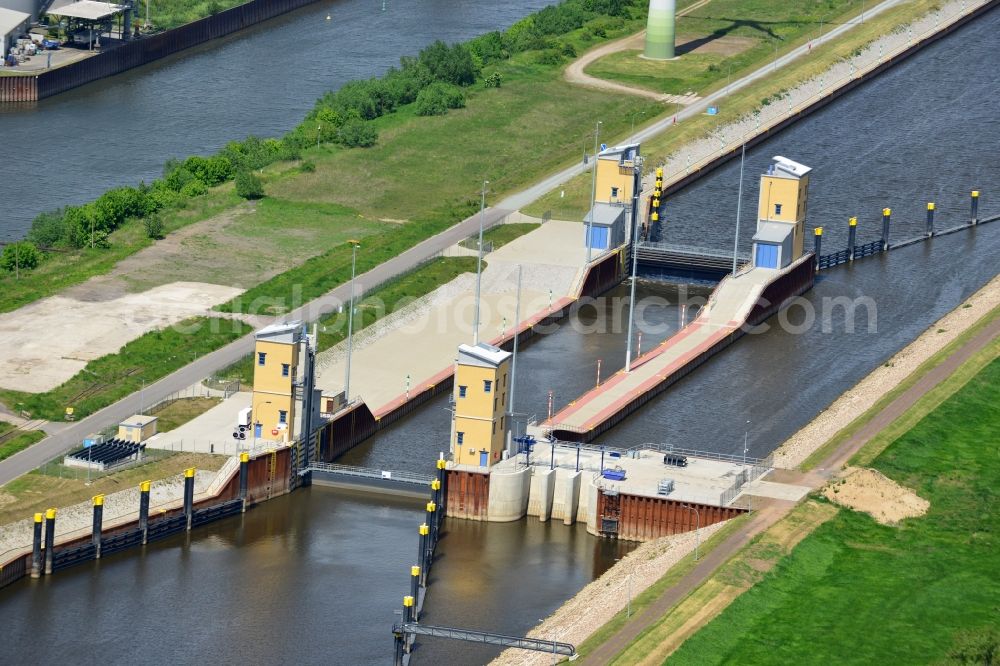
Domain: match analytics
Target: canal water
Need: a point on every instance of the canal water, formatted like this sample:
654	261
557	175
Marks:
70	148
315	577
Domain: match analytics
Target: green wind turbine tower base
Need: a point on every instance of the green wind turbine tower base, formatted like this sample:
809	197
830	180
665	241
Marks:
660	30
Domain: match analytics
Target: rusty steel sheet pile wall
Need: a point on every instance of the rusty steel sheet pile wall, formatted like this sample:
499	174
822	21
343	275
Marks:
606	274
642	518
346	430
468	495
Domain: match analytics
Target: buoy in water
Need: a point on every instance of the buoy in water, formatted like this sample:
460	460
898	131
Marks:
327	17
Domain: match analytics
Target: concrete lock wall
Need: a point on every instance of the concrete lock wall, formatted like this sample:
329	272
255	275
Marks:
508	495
565	496
540	495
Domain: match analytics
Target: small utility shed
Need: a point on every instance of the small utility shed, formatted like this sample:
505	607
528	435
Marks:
12	24
606	224
772	245
137	428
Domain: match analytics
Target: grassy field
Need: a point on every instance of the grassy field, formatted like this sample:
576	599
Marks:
178	412
380	302
12	440
728	38
168	14
38	491
945	389
858	592
569	201
71	267
144	360
736	576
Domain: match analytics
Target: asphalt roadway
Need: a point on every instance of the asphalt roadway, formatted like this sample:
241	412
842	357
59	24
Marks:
72	434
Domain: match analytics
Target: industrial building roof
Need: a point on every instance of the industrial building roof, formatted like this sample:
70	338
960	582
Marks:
87	9
605	214
788	167
11	20
285	331
483	355
773	232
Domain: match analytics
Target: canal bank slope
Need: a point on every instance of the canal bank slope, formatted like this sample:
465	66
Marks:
942	349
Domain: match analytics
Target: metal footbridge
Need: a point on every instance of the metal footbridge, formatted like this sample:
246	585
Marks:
407	630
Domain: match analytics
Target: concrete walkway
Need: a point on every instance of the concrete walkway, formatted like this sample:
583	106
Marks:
383	357
773	510
726	311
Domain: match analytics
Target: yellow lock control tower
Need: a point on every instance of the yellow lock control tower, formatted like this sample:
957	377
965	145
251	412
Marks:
479	432
276	363
781	214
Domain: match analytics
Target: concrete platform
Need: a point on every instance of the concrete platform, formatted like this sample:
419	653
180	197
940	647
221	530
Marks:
703	481
420	342
212	432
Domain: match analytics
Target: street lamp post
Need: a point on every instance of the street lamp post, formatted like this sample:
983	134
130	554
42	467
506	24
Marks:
593	189
637	183
350	322
697	529
746	440
479	264
739	203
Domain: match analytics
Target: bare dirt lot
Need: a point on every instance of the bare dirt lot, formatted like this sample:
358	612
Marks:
874	493
47	342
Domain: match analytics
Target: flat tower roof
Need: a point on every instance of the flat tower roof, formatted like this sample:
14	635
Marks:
483	355
790	167
285	331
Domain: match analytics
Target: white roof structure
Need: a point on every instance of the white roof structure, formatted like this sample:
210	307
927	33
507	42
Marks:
790	167
287	332
624	152
138	420
87	9
11	20
773	232
482	355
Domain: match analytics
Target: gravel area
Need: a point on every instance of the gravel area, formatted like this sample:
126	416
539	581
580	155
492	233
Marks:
599	601
78	518
886	377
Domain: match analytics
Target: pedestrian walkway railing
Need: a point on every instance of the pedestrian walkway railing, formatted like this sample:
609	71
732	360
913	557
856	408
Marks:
369	473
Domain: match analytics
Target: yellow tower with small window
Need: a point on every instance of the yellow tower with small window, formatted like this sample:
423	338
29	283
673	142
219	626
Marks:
482	376
781	213
276	361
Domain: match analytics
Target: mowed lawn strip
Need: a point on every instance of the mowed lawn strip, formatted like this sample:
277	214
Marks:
860	592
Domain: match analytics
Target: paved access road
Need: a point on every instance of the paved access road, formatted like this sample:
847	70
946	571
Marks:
73	434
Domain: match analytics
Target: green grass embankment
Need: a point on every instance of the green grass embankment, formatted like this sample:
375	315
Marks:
860	592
